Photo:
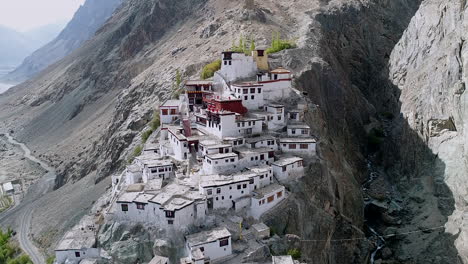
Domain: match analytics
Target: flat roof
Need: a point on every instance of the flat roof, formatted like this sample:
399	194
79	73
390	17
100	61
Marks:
133	168
198	82
282	260
260	138
262	192
170	103
287	161
8	186
247	151
260	169
298	140
260	227
207	236
157	163
220	180
154	184
151	146
143	198
127	197
280	70
222	155
299	126
275	105
159	260
79	237
247	84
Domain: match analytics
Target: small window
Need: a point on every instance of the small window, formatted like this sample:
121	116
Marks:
222	197
170	222
271	199
225	62
245	91
209	192
224	242
140	206
164	111
252	90
246	98
239	187
304	146
284	168
124	207
230	62
252	97
261	176
259	90
202	249
170	214
292	146
279	117
173	111
293	131
218	190
244	186
232	160
279	194
262	157
77	254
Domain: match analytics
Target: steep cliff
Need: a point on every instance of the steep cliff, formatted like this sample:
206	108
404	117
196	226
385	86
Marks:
88	18
428	66
86	112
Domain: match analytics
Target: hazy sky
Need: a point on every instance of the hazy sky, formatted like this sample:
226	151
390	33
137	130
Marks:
27	14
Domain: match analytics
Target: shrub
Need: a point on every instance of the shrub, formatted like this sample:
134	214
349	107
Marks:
295	253
244	46
155	122
50	260
278	44
209	69
146	135
137	151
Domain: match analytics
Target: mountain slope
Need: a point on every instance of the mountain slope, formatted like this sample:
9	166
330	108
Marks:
87	19
14	47
86	112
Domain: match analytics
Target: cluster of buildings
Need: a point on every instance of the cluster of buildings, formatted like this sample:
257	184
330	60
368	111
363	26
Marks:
224	146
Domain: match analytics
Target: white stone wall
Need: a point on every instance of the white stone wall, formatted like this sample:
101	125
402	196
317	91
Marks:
223	165
163	172
252	97
293	169
243	128
213	250
169	118
298	132
275	90
224	195
261	205
68	256
241	66
179	147
310	150
133	177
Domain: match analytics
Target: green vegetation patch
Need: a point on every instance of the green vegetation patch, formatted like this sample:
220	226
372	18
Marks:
278	44
210	69
9	252
295	253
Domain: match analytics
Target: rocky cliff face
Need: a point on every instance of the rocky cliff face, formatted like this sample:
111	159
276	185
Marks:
86	112
88	18
428	66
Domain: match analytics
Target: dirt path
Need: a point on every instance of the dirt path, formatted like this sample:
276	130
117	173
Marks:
24	211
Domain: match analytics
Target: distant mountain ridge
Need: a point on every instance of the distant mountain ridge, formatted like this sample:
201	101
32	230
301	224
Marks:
15	46
87	19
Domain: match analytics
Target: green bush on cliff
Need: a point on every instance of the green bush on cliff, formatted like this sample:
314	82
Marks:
295	253
209	69
278	44
146	135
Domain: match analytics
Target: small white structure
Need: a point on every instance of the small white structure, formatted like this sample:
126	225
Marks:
209	245
175	206
162	169
262	176
220	163
220	124
266	198
8	188
133	174
178	143
78	244
254	157
249	126
224	192
251	95
277	84
261	230
285	168
151	148
236	65
304	146
282	260
169	111
159	260
298	130
262	142
296	115
210	147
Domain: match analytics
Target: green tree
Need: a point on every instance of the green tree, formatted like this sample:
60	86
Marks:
295	253
209	69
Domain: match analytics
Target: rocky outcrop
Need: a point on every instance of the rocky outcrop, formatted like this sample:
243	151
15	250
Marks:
428	67
87	19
